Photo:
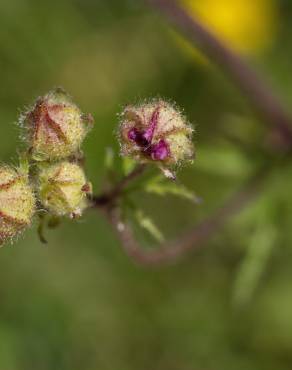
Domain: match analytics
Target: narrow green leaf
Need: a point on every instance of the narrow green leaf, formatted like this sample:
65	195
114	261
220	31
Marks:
159	187
109	158
147	223
254	264
128	165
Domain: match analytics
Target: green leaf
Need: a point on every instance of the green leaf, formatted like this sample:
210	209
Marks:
254	264
128	165
147	223
158	186
109	158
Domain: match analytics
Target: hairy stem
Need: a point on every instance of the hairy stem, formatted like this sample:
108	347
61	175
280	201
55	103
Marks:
109	197
192	240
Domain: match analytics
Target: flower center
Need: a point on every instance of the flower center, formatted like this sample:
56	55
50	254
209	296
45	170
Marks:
143	138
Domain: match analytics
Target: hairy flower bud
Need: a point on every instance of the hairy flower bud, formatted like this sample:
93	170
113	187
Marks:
156	131
55	127
63	189
17	202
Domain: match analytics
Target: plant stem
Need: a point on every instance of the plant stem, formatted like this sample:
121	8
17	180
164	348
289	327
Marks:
263	101
255	89
108	198
192	240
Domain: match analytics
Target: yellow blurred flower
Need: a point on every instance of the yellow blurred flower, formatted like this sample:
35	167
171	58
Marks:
247	26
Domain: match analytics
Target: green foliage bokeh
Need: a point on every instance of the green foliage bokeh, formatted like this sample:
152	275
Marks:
80	302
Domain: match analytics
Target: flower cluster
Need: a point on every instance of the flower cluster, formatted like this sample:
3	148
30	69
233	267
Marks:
52	180
50	177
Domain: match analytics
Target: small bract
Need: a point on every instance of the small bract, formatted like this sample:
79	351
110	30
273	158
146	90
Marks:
17	202
156	132
63	189
55	127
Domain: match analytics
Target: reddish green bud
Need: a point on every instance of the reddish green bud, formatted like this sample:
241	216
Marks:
156	132
17	202
63	189
55	127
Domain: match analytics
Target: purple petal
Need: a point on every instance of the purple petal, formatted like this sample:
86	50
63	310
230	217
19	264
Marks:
148	134
160	151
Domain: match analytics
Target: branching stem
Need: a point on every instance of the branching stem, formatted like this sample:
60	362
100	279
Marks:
191	240
255	89
263	101
108	198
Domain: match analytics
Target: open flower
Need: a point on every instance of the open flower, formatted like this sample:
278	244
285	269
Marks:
63	189
55	127
17	202
156	132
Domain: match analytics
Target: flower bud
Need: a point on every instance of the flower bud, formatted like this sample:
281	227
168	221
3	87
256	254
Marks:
55	127
63	189
17	202
156	131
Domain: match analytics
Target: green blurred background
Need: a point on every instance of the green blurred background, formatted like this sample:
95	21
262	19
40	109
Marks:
80	302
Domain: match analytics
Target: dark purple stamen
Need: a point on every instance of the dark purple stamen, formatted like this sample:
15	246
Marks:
138	137
143	139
